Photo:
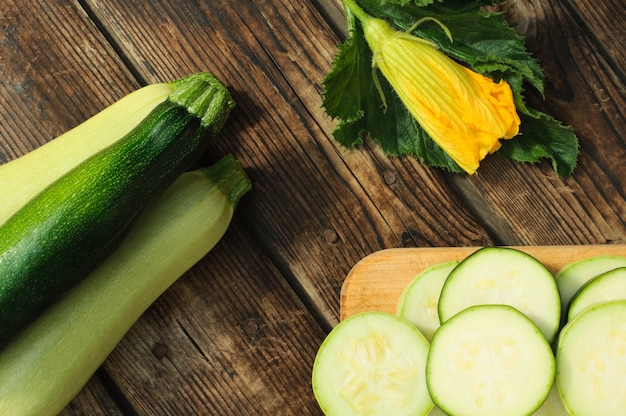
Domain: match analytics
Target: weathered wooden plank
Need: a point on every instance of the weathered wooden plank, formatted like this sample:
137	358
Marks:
306	210
265	380
270	373
605	20
316	209
56	70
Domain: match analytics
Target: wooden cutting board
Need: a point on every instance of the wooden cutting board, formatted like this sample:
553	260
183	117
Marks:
376	282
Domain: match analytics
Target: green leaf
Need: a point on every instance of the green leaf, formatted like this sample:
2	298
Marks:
542	136
344	84
419	3
417	143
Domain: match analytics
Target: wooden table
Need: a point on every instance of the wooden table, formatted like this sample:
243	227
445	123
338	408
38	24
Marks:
237	335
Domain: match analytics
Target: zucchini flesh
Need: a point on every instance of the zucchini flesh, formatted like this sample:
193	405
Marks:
591	361
47	364
606	287
501	275
65	231
573	276
372	364
23	178
419	301
489	360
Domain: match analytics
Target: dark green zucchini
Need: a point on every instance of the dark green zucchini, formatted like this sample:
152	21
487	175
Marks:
68	229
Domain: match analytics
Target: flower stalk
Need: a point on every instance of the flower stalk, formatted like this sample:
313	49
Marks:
464	112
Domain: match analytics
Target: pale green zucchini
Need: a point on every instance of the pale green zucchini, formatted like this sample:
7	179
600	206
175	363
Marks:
51	360
571	277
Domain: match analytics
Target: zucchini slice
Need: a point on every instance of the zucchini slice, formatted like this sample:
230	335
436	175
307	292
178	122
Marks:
500	275
489	360
606	287
419	301
372	363
591	361
574	275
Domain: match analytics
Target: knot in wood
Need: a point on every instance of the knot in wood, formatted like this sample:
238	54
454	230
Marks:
390	178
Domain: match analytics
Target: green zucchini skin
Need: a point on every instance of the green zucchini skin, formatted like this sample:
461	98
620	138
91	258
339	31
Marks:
67	230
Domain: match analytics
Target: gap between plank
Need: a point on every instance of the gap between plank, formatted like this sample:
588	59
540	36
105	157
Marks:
115	46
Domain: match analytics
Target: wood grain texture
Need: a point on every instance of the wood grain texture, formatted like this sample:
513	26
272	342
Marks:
605	20
377	281
95	400
56	70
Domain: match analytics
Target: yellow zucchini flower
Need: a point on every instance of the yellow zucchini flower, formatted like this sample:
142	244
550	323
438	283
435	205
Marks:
464	112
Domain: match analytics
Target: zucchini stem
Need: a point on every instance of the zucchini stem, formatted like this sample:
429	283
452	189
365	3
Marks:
230	178
356	10
205	97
